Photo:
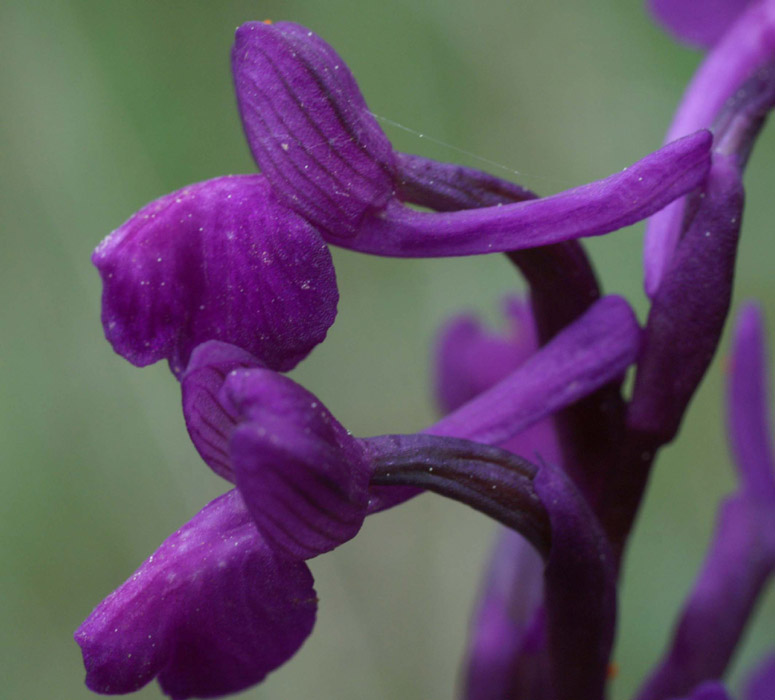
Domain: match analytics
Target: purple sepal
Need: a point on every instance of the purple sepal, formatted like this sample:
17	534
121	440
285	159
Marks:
327	158
589	210
590	352
747	46
761	682
211	612
309	128
741	558
304	478
219	260
505	657
690	307
697	22
209	421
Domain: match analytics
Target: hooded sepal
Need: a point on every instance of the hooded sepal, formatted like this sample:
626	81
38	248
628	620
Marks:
304	478
309	128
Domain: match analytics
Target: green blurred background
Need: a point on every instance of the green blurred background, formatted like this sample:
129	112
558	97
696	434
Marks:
107	105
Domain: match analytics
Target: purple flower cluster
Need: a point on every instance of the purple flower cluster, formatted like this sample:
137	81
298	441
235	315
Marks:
231	281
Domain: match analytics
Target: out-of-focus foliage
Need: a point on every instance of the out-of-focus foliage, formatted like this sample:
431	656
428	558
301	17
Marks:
106	105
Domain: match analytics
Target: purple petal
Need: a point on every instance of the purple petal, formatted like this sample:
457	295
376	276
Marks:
507	637
741	558
690	307
209	421
747	46
749	419
309	128
470	359
697	22
211	612
590	210
736	569
587	354
761	683
304	478
219	260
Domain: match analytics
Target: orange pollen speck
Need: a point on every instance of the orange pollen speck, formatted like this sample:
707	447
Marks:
267	21
613	670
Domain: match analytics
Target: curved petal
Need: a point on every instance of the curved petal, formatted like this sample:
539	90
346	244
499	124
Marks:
209	421
219	260
211	612
736	569
590	352
697	22
309	128
304	478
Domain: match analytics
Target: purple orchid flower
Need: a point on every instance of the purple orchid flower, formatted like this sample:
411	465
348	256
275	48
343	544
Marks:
333	164
308	485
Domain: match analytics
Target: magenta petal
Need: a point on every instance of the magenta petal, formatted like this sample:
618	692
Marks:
304	478
309	128
697	22
210	422
211	612
587	354
589	210
749	418
219	260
